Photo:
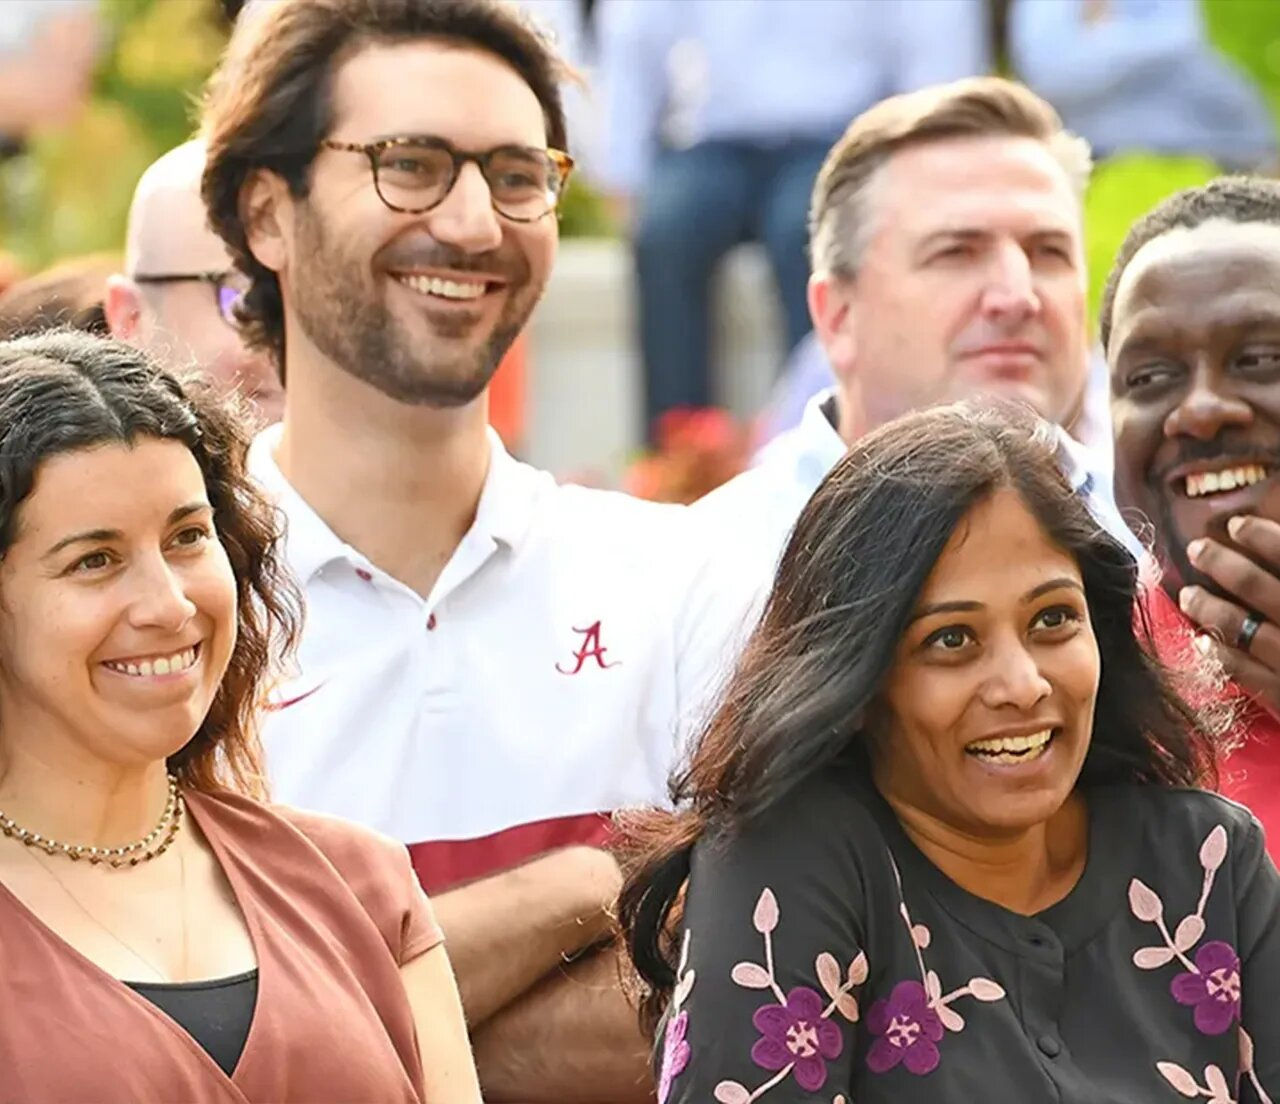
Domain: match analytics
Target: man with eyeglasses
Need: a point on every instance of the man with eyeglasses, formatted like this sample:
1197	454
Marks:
490	662
178	293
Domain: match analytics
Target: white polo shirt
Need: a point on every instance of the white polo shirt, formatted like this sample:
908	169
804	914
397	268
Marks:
537	689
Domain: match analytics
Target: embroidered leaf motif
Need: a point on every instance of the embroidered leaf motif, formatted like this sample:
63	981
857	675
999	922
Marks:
920	936
1144	902
951	1019
1214	849
750	976
828	970
933	985
1152	958
1246	1052
731	1092
858	969
1188	933
1179	1078
766	914
847	1007
984	989
683	989
1216	1083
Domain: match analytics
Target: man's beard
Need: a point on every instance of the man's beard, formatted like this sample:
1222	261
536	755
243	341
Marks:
340	311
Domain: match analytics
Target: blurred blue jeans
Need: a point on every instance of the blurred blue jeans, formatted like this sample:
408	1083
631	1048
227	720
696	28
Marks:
698	204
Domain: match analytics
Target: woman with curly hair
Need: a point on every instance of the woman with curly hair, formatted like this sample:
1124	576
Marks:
167	934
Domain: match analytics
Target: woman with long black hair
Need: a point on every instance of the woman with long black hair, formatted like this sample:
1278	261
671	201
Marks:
942	839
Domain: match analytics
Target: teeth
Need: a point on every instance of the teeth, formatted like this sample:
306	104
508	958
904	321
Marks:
1203	483
161	665
446	289
1010	749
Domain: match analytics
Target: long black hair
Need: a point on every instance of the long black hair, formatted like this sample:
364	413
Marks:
845	589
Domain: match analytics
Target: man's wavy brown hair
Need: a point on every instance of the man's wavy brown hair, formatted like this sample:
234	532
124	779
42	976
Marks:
270	104
64	391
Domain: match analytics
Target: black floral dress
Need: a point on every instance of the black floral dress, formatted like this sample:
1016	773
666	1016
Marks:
826	959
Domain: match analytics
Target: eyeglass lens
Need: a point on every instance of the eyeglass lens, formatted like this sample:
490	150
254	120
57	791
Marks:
229	297
524	183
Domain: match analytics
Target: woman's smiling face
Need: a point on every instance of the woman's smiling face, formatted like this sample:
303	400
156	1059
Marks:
991	698
117	605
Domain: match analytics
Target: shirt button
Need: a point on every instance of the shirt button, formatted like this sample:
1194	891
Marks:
367	576
431	623
1050	1046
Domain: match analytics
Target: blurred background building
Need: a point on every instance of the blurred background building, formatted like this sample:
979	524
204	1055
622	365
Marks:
687	106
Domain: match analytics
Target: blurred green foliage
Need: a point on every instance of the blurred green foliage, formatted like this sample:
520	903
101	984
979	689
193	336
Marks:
1125	188
71	194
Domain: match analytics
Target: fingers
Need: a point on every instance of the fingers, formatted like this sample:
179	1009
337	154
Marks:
1222	620
1252	586
1258	535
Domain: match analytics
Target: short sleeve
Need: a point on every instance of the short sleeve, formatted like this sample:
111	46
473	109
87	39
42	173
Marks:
1258	924
379	873
772	961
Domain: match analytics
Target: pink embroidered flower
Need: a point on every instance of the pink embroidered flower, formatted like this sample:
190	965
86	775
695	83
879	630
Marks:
796	1034
1214	991
675	1054
909	1031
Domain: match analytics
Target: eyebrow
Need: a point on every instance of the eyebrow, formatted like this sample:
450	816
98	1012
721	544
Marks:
97	535
1152	333
977	233
969	606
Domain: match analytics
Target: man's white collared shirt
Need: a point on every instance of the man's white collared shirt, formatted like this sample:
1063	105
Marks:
533	692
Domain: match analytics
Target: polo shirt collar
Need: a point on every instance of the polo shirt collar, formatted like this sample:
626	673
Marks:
819	444
504	513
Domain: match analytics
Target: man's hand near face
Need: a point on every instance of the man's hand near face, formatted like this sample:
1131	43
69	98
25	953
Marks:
1250	577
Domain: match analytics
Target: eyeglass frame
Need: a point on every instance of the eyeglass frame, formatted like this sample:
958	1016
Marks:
216	280
561	160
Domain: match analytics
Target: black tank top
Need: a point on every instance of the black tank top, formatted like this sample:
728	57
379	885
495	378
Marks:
216	1014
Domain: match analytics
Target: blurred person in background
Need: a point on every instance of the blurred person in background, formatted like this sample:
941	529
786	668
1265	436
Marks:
178	294
68	293
490	664
1140	75
948	262
47	54
716	119
1191	321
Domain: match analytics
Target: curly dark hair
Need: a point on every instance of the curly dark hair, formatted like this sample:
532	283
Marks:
63	391
1230	198
269	104
843	596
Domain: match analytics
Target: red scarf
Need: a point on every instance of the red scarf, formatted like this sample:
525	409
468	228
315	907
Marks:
1251	773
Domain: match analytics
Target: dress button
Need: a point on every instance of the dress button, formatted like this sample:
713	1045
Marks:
1049	1046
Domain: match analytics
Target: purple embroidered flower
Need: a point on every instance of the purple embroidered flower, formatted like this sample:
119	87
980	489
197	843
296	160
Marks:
1214	991
909	1031
795	1034
675	1054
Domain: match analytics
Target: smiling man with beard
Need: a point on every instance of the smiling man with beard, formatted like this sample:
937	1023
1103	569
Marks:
490	664
1191	322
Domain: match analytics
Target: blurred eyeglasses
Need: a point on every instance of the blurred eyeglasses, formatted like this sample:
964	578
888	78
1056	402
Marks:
415	174
229	287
